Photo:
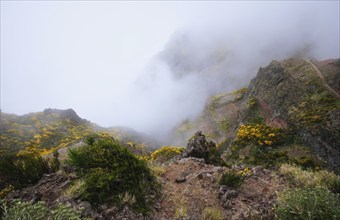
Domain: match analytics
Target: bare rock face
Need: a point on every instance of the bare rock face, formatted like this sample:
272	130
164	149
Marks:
199	147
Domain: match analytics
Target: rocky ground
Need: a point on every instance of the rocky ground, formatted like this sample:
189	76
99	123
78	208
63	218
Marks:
189	187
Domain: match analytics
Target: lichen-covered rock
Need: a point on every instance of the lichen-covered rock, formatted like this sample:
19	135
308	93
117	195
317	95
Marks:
199	147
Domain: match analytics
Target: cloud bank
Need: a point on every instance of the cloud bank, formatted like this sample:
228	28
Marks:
150	65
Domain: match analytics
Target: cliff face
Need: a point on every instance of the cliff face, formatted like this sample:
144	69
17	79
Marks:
297	95
303	97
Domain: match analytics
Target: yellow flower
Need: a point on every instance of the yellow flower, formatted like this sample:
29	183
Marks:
268	142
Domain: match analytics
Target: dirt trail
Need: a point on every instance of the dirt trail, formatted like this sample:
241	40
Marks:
322	78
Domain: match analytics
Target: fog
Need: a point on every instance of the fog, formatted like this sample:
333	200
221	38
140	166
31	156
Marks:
149	65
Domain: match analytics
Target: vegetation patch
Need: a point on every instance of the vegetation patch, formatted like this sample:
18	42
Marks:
258	144
42	132
166	153
215	102
253	114
313	109
110	171
25	169
309	203
76	189
239	93
211	213
224	125
232	179
38	211
305	178
260	135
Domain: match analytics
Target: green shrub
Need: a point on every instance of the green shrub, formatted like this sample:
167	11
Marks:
38	211
334	185
305	178
110	170
25	210
22	170
309	203
75	189
232	179
63	211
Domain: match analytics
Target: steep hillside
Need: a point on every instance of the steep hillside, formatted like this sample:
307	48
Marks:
265	152
290	95
55	129
218	120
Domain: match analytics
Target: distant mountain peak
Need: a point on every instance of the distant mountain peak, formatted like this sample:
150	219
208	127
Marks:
65	114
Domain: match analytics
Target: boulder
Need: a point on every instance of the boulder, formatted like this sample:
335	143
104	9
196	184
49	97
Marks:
199	147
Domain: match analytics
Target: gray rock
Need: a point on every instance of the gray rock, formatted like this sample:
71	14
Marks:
199	147
181	179
128	214
228	204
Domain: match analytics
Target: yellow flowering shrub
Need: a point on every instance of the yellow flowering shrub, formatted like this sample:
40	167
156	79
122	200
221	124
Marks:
260	135
166	153
245	172
143	157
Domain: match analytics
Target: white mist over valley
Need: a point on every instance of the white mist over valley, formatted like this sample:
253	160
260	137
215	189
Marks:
150	65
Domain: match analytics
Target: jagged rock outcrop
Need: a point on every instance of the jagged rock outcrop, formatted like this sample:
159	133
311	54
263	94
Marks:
199	147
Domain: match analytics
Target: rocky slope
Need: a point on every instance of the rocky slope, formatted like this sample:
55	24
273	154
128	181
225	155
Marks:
191	189
292	94
287	94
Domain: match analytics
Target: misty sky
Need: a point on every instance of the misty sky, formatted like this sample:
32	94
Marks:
145	64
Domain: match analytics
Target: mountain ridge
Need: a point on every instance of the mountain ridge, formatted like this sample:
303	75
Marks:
54	129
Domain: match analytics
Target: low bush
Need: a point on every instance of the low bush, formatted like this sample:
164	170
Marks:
305	178
110	170
38	211
232	179
156	169
166	153
22	170
76	189
309	203
260	135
